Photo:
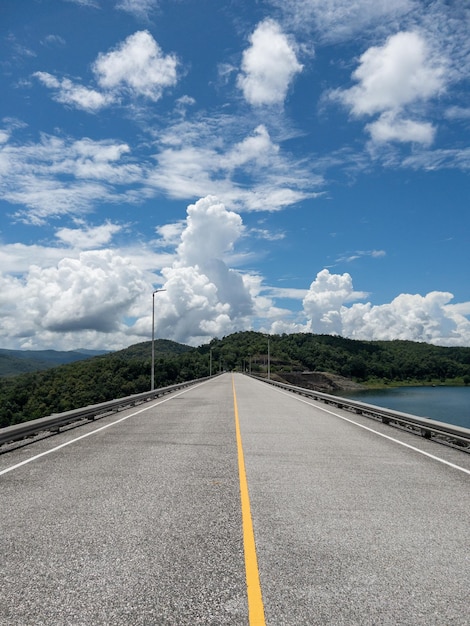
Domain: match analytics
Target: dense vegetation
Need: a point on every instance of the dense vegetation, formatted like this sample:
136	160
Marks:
123	373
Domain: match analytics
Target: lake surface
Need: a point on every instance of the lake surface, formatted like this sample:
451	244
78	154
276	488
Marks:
446	404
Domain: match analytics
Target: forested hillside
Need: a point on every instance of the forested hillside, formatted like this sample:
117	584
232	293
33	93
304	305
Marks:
126	372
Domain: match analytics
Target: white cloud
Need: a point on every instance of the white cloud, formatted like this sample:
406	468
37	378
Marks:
267	235
429	318
393	75
257	149
463	308
210	232
440	159
53	40
141	9
412	317
59	176
137	65
389	127
86	3
170	234
101	298
203	296
324	301
15	258
339	20
69	303
391	78
88	293
72	297
358	254
78	96
88	237
268	66
458	113
252	174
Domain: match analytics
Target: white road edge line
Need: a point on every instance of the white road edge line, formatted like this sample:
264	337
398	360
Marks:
401	443
97	430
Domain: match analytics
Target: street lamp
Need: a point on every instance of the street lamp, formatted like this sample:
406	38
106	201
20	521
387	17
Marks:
152	380
210	363
269	361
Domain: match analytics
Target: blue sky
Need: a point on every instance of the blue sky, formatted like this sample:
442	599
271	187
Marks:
283	166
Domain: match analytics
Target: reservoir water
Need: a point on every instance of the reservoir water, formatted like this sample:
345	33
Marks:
446	404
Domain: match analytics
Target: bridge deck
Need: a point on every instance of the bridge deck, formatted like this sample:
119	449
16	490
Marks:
137	519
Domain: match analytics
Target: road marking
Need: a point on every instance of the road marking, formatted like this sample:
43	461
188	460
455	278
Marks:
376	432
255	599
97	430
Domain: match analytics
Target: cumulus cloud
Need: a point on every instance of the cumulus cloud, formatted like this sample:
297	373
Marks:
88	293
204	297
100	298
137	67
393	75
389	127
257	149
409	316
76	299
430	318
15	258
268	66
325	299
210	232
389	79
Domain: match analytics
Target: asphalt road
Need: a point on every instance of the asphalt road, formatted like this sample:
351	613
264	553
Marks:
137	520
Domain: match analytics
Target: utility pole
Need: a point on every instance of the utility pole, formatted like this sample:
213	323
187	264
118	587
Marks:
152	376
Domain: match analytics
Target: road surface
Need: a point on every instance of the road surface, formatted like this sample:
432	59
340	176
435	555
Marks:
233	502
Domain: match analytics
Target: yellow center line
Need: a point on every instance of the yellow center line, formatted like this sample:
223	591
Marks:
255	600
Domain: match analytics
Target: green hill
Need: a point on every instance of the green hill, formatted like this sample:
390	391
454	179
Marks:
97	379
122	373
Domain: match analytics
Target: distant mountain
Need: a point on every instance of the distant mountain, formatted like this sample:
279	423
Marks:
14	362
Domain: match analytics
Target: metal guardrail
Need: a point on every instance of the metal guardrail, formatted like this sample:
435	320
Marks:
455	436
56	421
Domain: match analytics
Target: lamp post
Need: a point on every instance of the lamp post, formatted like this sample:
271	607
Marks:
152	379
269	361
210	363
